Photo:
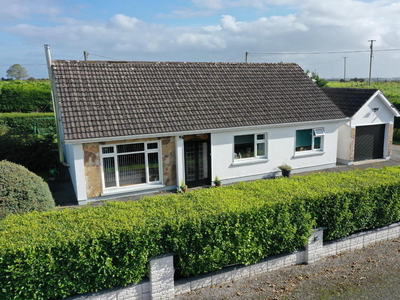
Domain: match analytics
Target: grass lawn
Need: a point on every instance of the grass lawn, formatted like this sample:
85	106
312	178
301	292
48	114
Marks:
390	89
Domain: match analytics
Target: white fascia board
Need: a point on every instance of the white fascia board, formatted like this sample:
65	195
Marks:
391	106
164	134
382	97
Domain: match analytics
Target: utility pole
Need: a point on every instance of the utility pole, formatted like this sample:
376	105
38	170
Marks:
370	60
245	56
85	55
344	70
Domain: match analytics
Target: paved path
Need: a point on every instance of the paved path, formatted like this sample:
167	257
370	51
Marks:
396	153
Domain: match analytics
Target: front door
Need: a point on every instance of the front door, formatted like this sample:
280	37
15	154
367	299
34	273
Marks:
197	163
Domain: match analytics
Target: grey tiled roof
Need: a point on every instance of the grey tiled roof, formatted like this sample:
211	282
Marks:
349	100
111	99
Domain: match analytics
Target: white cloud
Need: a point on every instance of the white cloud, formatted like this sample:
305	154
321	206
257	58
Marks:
201	40
211	4
260	4
186	13
329	25
24	9
124	22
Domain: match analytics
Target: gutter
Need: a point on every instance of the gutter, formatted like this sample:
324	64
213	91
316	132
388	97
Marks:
165	134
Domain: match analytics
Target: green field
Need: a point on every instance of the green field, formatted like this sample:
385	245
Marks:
390	89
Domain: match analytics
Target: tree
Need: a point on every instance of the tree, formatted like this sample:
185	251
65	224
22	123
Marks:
321	82
17	72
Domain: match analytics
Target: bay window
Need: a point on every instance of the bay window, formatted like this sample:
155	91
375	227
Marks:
130	164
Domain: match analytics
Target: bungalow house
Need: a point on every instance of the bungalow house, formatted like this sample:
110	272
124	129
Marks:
139	127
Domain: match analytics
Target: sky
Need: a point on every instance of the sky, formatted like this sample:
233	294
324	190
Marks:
204	30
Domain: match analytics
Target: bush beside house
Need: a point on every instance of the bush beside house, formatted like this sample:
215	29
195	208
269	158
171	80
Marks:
60	253
22	191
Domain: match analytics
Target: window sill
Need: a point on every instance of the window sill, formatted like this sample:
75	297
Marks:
308	153
250	161
122	190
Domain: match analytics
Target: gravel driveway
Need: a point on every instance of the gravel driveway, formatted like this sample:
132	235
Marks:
370	273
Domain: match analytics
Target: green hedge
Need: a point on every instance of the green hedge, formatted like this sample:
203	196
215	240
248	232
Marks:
34	152
25	96
397	120
56	254
21	123
396	135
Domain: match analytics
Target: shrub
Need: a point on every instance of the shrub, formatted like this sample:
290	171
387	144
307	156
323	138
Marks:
21	123
396	135
22	191
34	152
60	253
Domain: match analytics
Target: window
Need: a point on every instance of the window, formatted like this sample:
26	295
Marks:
309	139
250	146
131	164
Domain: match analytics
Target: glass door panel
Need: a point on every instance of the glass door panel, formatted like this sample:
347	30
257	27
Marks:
190	160
197	163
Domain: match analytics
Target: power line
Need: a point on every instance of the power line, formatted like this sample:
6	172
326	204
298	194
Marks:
313	53
322	63
105	57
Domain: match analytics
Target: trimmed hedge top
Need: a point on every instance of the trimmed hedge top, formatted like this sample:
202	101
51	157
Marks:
24	123
61	253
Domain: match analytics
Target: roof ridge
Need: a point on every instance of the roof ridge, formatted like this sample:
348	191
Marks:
169	62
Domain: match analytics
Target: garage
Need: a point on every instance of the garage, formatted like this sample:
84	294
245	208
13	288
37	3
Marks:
369	143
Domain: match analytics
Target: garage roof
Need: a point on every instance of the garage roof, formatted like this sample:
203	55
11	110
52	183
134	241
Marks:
349	100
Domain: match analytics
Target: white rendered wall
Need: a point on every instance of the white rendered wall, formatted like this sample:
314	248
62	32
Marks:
281	149
75	159
365	116
69	154
344	135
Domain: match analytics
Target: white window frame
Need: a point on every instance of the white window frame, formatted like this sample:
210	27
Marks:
115	156
264	141
314	135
